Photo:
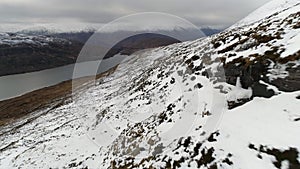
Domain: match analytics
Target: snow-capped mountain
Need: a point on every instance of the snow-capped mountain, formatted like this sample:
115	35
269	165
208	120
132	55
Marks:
80	27
48	46
49	28
23	53
226	101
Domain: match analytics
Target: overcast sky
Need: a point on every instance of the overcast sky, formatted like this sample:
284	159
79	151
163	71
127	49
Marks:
214	13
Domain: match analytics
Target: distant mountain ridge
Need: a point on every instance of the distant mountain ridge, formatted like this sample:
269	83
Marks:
62	28
38	49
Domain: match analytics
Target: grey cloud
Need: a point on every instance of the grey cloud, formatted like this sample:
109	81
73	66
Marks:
200	12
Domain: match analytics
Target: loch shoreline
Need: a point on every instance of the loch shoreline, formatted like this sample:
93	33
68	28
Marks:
16	108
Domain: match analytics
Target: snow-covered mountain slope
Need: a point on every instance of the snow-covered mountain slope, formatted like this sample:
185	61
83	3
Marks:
49	28
266	10
227	101
11	39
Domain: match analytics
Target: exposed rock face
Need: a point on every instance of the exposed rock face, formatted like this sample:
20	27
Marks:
255	67
291	82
